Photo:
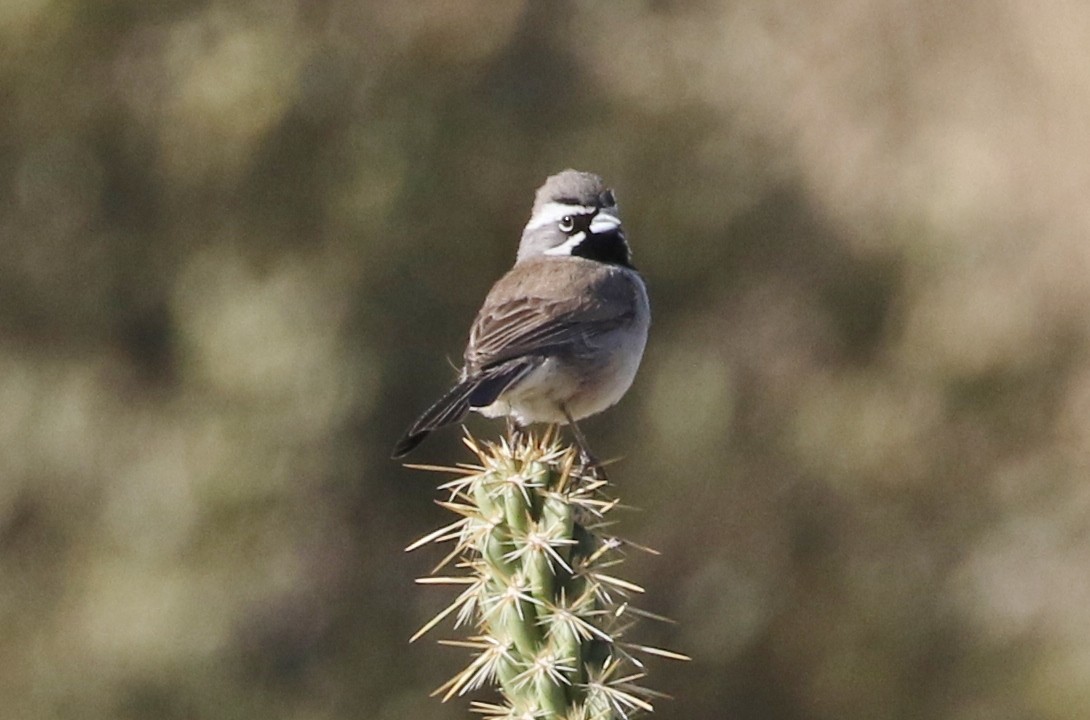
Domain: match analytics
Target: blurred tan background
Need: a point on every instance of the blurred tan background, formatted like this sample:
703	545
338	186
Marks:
241	243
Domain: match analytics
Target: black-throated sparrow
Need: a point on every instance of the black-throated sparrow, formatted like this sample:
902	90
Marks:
560	336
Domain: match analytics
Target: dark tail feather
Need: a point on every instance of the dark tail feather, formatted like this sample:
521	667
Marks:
450	408
477	391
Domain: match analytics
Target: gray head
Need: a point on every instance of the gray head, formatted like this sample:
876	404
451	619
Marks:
575	214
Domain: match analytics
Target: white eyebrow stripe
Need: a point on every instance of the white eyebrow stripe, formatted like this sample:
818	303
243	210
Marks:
553	212
568	245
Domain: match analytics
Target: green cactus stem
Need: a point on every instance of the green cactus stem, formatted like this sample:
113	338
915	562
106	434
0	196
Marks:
535	564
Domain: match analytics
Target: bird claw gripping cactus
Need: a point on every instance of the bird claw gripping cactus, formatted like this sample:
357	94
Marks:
536	567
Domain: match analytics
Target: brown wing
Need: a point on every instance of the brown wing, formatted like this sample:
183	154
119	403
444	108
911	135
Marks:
554	306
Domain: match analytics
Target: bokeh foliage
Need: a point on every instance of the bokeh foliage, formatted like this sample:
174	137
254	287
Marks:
239	241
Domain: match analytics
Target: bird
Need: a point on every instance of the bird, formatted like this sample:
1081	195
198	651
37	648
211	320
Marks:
561	335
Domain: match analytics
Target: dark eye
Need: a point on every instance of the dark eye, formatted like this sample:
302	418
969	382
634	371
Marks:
567	223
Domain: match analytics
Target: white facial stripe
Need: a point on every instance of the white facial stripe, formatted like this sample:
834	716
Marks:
551	213
568	245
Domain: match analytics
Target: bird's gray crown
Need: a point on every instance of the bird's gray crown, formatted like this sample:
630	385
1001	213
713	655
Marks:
570	187
575	214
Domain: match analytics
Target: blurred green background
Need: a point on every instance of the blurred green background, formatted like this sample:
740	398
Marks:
241	244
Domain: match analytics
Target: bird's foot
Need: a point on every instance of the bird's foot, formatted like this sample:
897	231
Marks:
516	434
589	466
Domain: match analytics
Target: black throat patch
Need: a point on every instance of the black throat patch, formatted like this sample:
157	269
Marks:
610	248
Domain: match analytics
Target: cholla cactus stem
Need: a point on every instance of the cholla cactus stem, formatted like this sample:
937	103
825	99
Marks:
550	618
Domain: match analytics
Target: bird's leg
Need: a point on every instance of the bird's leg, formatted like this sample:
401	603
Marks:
586	458
515	432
